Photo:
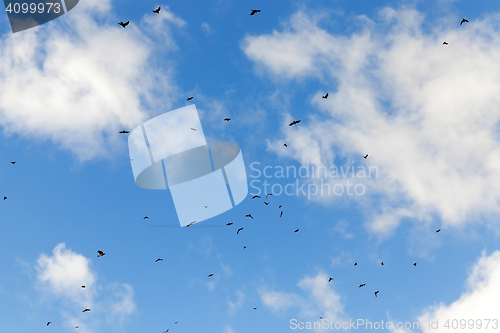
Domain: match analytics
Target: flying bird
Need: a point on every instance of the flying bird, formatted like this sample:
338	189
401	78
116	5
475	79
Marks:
230	223
100	253
255	308
14	162
296	230
362	285
463	21
86	310
281	214
326	96
254	11
227	119
285	145
191	223
445	43
124	24
205	206
157	10
209	275
83	286
438	230
255	196
268	195
159	259
330	279
415	264
237	232
123	132
145	218
4	197
279	206
376	293
48	323
249	215
166	330
294	122
190	98
244	247
76	326
365	157
382	263
355	264
267	203
193	129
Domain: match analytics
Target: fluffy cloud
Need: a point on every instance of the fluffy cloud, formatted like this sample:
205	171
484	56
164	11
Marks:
426	113
77	82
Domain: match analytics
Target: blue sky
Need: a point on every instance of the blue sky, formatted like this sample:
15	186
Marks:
426	113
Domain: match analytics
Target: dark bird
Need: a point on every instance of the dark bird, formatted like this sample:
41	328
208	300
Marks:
157	10
145	218
124	24
244	247
362	285
445	43
268	195
190	98
249	215
330	279
176	322
76	326
294	122
436	230
166	330
382	263
415	264
83	286
48	323
86	310
209	275
255	308
159	259
255	196
281	214
376	293
191	223
463	21
279	206
267	203
230	223
205	206
193	129
13	162
355	264
227	119
123	132
296	230
326	96
254	11
100	253
237	232
4	197
285	145
365	157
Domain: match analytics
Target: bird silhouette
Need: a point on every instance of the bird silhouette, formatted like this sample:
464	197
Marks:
244	247
227	119
463	21
145	218
166	330
159	259
254	11
362	285
237	232
255	308
13	162
249	215
123	132
355	264
415	264
279	206
124	24
86	310
48	323
255	196
205	206
281	214
100	253
157	10
294	122
365	157
376	293
4	197
330	279
190	98
230	223
326	96
445	43
438	230
285	145
209	275
296	230
382	263
83	286
267	203
76	326
268	195
193	129
191	223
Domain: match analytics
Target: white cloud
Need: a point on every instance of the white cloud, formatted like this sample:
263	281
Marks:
238	303
78	85
427	114
478	302
206	27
